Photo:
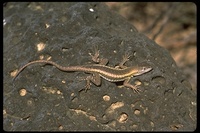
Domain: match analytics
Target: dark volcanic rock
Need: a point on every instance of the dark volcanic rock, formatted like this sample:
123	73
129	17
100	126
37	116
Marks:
44	98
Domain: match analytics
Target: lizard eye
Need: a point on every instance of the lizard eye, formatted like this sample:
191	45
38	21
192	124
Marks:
143	69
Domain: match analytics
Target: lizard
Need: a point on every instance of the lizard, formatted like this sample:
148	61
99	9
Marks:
112	74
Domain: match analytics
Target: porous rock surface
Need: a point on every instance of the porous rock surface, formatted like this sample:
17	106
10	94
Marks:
44	98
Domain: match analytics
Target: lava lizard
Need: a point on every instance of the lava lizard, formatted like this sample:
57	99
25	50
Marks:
112	74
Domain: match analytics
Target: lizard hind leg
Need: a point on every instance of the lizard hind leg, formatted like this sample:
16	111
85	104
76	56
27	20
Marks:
96	59
95	79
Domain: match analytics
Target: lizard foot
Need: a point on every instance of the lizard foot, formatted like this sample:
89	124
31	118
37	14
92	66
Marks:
95	57
134	87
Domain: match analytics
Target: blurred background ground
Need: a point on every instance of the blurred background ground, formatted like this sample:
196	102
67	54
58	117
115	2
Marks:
172	25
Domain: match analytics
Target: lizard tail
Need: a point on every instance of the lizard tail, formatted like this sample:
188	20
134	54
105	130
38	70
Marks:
37	61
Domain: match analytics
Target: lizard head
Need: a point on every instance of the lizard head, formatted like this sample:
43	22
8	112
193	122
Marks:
138	70
143	69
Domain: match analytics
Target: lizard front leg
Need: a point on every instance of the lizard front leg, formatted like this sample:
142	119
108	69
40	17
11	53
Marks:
124	60
134	87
